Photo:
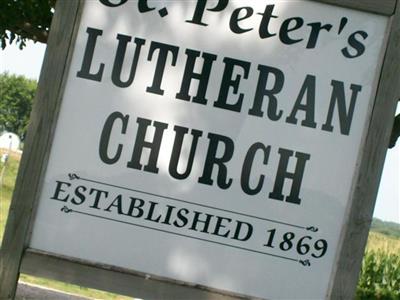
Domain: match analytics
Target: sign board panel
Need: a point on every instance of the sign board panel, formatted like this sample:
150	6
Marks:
211	142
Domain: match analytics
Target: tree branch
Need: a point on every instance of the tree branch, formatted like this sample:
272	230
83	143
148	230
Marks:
26	30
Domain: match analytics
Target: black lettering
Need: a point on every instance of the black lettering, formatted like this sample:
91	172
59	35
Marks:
228	82
316	28
307	89
265	22
262	91
181	216
164	49
151	212
286	28
234	21
202	77
345	116
59	189
247	165
136	206
177	152
212	159
144	7
356	44
120	57
196	220
283	174
201	7
98	193
154	146
219	225
88	57
112	4
105	137
168	215
241	236
79	193
116	203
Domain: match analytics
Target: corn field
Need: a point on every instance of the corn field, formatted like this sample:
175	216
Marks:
380	272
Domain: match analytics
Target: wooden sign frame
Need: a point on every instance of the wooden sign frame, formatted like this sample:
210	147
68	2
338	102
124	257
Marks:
16	257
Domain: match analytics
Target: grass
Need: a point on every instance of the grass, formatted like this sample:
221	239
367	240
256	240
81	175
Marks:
71	288
380	275
8	173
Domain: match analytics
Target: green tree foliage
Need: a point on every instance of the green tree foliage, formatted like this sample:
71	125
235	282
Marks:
388	228
16	97
25	19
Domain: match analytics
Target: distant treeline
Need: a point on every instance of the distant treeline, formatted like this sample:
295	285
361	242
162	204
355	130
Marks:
388	228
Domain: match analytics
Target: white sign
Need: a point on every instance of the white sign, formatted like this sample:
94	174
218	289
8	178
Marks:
210	142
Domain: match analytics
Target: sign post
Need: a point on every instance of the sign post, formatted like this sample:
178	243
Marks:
206	149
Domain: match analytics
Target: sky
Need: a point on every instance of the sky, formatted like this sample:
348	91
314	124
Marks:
28	62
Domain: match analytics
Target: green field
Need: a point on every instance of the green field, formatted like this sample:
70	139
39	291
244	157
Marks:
7	180
380	273
378	242
379	279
